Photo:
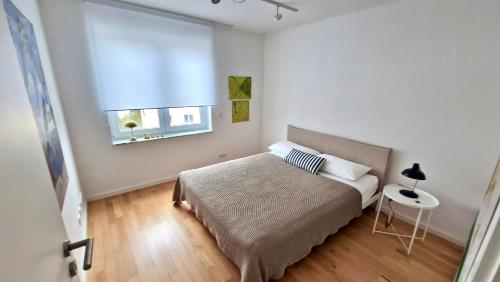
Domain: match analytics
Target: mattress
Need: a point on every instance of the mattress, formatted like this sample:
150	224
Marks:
264	213
366	185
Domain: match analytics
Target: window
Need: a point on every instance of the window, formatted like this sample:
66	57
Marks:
159	123
162	66
146	119
150	61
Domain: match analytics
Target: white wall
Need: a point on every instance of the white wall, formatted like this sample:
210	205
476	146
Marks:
106	169
419	76
25	176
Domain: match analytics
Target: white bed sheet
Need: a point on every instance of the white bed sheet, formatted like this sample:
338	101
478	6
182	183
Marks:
366	184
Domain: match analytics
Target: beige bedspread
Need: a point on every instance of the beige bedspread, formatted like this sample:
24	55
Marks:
265	213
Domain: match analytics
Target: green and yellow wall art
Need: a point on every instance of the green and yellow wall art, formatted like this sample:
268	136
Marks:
240	87
241	111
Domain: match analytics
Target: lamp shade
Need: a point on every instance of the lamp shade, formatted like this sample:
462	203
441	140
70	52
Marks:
414	172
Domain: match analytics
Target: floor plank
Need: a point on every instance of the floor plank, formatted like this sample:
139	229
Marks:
140	236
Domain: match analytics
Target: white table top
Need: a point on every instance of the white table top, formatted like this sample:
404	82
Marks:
424	201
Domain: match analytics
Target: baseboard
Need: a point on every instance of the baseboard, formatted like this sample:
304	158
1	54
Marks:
440	233
132	187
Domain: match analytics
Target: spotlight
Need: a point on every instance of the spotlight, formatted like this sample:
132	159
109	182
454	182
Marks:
215	1
278	15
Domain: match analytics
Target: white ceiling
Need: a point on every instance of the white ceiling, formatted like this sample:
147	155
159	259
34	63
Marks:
257	16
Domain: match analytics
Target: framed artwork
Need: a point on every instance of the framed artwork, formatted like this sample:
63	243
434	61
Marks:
241	111
482	230
23	37
240	87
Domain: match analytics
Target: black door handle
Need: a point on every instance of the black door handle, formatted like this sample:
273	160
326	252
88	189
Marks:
87	243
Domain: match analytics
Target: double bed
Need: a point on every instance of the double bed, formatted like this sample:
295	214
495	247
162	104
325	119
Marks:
267	214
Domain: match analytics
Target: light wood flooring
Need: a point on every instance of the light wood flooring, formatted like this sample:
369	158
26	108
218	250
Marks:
140	236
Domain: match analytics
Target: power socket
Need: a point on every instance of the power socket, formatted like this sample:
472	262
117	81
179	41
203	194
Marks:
79	216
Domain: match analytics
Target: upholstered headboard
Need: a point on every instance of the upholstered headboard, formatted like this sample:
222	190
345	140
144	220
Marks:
376	157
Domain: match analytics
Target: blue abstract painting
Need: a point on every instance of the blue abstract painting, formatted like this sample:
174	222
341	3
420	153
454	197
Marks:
28	56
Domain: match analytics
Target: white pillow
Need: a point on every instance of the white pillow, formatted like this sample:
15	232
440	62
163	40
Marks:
284	147
343	168
278	154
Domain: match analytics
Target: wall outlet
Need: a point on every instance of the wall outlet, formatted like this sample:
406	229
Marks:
79	216
221	156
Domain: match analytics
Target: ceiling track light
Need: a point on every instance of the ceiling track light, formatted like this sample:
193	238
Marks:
284	6
278	16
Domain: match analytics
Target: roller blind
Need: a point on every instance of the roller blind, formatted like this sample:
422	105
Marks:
146	61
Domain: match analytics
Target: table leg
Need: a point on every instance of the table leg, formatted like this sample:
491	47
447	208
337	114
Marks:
378	212
415	230
427	225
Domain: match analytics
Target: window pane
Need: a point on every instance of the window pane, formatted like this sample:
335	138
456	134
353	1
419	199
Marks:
184	116
145	119
150	119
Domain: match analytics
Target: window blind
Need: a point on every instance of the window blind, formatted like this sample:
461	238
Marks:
146	61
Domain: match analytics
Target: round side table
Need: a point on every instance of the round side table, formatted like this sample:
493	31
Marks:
425	201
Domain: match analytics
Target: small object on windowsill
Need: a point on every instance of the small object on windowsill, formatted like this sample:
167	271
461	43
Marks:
131	124
159	137
147	136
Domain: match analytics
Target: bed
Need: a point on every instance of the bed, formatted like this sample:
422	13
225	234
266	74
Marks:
266	214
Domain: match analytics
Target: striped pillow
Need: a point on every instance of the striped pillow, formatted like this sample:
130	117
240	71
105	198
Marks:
305	161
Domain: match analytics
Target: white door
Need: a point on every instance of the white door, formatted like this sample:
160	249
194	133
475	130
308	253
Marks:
31	226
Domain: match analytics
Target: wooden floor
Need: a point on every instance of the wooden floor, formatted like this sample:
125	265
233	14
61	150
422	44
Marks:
140	236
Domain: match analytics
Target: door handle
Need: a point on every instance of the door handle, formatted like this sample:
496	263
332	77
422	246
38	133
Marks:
87	243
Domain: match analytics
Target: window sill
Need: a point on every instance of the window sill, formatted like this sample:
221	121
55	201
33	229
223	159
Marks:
165	136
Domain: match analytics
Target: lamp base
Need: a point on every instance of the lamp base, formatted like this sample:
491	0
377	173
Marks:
408	193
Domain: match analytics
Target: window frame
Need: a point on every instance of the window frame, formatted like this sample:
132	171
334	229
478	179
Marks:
205	124
117	135
164	131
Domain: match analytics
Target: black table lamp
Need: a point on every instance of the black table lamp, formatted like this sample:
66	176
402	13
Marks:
414	173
